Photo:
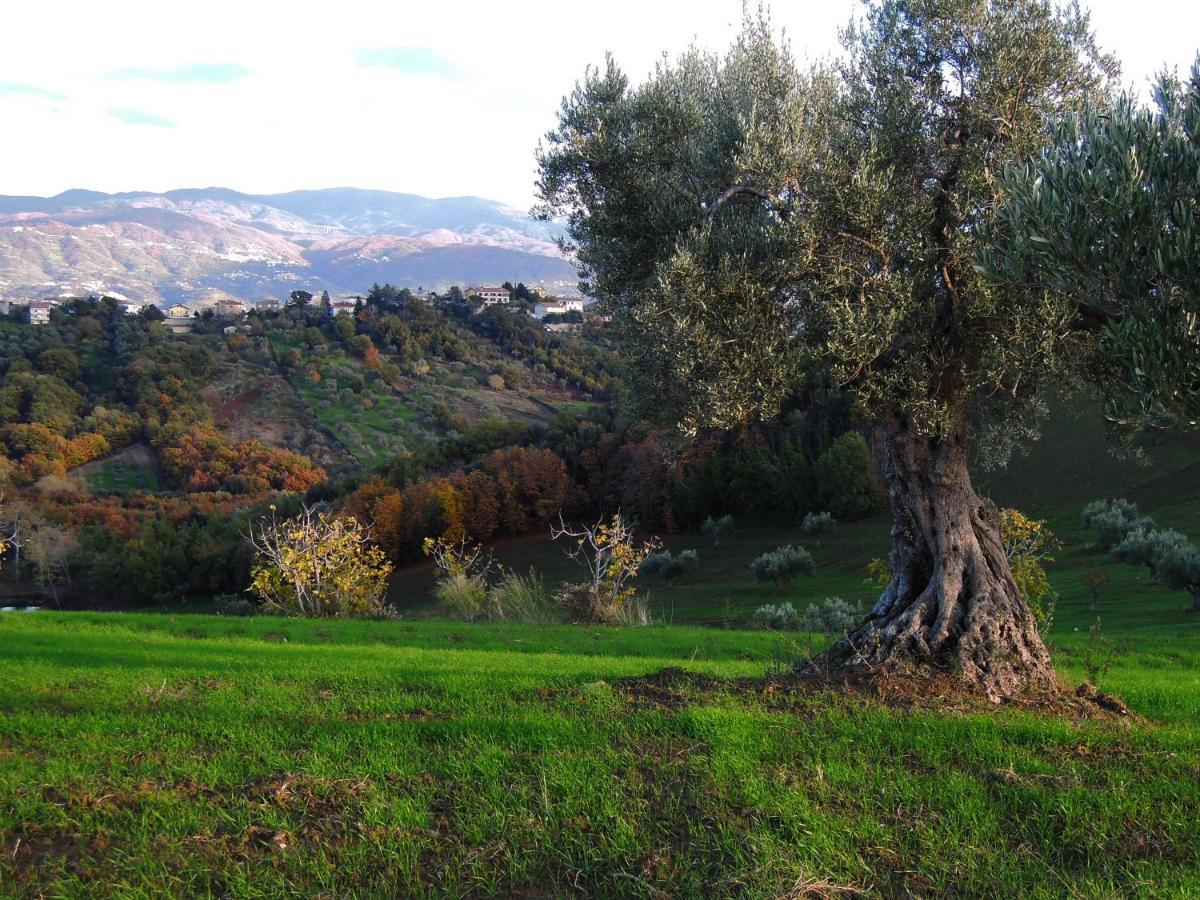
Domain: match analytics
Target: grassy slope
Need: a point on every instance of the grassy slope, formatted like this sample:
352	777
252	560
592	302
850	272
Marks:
199	756
1069	467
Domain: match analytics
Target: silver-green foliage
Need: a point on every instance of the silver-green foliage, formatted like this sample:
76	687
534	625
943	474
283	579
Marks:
748	218
1113	519
818	523
714	528
781	565
1107	216
832	618
668	566
776	617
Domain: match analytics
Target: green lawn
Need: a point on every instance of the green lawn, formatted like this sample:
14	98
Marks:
127	470
148	754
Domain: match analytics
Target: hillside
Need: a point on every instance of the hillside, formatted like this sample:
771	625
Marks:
180	244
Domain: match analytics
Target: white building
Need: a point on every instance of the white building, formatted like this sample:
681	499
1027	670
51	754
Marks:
39	311
178	311
342	307
491	296
557	307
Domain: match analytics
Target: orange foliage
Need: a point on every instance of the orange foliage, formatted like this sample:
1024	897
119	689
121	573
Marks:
203	460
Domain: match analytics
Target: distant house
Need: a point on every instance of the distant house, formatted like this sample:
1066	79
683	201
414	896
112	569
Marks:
342	307
230	307
268	304
39	311
179	311
557	307
491	296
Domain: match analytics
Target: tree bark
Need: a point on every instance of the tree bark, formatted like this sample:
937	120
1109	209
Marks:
951	606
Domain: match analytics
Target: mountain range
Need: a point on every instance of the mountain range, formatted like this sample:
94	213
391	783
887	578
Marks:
183	244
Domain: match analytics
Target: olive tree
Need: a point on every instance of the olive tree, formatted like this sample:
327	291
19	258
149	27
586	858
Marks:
1107	214
748	220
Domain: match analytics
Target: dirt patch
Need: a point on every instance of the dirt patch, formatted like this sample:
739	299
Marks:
223	411
672	688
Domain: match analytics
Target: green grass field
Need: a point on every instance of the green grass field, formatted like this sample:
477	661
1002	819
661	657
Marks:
150	754
128	470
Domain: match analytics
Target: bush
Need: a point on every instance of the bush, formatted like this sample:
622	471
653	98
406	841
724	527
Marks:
462	596
317	564
833	618
234	605
1112	519
667	567
817	524
580	603
517	598
783	564
776	617
714	528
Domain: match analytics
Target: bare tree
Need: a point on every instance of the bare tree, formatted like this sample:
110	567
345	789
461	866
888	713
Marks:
611	557
50	551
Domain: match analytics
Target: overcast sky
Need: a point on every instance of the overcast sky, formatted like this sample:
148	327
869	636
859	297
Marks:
441	99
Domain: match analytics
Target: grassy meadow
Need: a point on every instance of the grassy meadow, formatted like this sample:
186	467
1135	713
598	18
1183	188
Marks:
193	755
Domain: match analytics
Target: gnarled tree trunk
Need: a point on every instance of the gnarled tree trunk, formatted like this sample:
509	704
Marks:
951	605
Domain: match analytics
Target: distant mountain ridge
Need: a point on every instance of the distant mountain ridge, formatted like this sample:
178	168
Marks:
180	244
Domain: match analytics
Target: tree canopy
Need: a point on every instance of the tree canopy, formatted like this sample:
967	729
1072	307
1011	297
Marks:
1107	216
750	220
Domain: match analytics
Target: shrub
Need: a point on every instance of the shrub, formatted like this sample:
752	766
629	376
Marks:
317	564
817	524
667	567
234	605
776	617
833	618
783	564
518	598
1028	544
462	596
580	603
1112	519
611	558
714	528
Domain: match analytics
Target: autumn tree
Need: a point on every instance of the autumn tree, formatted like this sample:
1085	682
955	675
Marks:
747	220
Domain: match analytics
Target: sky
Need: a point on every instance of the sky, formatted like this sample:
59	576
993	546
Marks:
440	99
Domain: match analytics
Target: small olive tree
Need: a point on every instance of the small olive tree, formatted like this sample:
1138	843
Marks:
783	564
714	528
668	566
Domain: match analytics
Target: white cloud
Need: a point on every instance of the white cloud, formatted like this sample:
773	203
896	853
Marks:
272	96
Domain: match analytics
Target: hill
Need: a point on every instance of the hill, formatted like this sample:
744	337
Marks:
173	246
